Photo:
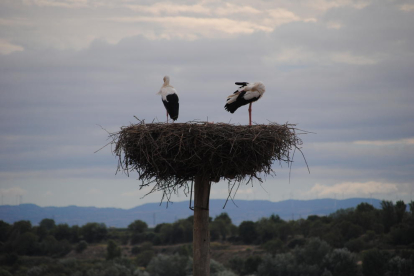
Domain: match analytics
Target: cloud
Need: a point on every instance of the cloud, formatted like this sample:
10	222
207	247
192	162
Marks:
160	20
192	27
170	9
228	19
224	193
278	17
385	142
245	191
135	193
348	58
7	48
334	25
49	193
57	3
12	22
353	189
342	71
292	55
14	191
230	9
93	192
301	55
407	7
330	4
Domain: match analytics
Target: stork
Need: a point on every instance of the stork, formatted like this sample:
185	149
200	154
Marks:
169	98
246	94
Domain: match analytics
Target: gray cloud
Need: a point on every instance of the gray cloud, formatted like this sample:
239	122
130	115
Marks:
345	76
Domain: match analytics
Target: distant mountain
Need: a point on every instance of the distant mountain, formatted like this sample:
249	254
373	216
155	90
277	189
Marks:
153	213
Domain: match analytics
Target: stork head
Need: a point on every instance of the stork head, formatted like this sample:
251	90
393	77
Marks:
259	86
166	80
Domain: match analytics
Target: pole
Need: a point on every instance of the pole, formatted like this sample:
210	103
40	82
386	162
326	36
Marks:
201	234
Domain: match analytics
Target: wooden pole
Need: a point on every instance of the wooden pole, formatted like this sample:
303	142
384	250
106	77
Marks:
201	234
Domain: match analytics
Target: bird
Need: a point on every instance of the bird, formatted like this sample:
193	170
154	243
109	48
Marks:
169	98
246	94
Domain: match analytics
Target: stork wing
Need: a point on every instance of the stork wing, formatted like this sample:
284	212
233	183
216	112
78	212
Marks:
243	84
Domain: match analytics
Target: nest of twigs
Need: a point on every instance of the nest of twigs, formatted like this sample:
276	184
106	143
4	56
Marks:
170	155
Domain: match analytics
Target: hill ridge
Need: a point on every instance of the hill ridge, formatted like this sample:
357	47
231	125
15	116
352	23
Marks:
154	213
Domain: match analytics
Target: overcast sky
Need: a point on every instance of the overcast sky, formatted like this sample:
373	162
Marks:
342	69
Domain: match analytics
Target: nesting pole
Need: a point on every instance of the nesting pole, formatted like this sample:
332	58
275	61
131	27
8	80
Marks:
171	156
201	233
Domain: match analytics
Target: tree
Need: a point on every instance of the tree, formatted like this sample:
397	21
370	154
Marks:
94	232
63	232
80	247
349	230
274	246
247	231
366	216
400	208
355	245
224	217
166	233
173	265
144	258
318	229
388	215
182	231
284	230
266	230
280	265
276	218
26	244
4	272
412	208
221	226
374	263
399	266
48	224
237	265
364	207
251	264
49	245
341	262
303	227
138	226
19	228
4	231
313	252
112	250
75	233
402	234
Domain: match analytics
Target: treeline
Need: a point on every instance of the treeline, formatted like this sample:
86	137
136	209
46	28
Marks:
383	239
48	239
356	229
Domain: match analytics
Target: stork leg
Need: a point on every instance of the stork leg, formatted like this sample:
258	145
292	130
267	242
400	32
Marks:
250	114
167	117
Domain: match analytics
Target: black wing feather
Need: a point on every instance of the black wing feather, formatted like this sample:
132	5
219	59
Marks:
240	101
172	105
242	83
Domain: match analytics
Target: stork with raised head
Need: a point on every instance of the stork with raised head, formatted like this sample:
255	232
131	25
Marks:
169	98
246	94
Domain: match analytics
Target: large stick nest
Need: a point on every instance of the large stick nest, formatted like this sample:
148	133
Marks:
170	155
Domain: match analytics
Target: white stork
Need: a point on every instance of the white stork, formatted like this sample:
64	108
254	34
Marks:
246	94
169	98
